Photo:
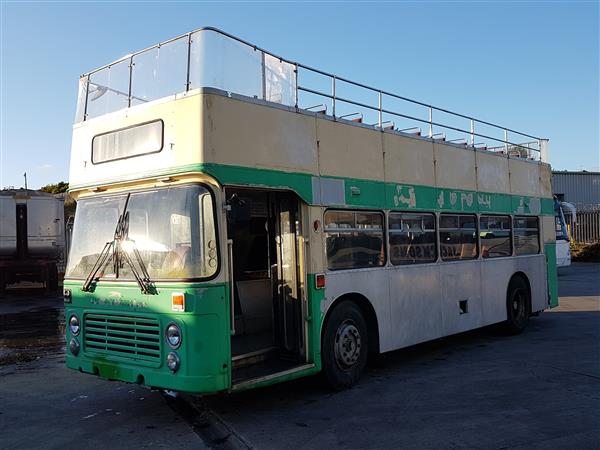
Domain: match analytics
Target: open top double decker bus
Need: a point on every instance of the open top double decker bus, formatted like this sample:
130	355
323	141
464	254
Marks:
232	231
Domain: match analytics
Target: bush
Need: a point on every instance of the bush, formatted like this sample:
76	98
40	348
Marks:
585	252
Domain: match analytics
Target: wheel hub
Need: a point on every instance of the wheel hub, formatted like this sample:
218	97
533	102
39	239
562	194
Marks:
347	345
518	305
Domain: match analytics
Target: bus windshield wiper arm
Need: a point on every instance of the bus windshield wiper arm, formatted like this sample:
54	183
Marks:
142	277
105	254
118	255
121	236
100	263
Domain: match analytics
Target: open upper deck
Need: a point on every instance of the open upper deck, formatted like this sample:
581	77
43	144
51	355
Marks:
209	57
260	135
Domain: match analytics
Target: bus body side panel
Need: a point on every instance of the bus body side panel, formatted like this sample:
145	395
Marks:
550	244
461	282
496	274
550	251
534	266
370	283
415	303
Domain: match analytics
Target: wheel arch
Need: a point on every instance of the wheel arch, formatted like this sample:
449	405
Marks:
368	312
525	278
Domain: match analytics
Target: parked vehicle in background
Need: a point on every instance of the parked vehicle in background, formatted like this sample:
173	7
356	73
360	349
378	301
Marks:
230	233
563	238
32	239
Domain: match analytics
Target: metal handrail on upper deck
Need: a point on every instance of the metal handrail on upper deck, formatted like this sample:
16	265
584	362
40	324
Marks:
507	147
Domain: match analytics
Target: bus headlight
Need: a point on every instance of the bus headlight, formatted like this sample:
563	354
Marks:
74	325
173	335
173	361
74	347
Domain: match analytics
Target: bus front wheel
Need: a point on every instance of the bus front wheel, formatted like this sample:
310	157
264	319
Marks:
345	346
517	305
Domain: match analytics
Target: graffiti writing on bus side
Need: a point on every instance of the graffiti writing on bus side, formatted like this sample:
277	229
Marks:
405	196
463	200
529	205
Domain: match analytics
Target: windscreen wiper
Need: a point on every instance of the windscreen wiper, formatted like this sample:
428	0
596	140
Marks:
142	277
119	255
106	253
101	262
122	235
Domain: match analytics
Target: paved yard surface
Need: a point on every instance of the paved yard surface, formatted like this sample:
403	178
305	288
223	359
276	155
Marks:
481	389
45	405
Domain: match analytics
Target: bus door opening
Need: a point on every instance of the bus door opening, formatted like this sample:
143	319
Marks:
263	228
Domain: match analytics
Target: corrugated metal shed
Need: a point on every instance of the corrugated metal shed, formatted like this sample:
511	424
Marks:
580	188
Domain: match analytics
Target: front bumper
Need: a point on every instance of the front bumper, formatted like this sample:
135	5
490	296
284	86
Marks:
155	378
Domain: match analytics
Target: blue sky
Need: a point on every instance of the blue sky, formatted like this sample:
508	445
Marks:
531	66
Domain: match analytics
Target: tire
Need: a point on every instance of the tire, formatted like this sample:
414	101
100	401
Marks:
518	301
344	349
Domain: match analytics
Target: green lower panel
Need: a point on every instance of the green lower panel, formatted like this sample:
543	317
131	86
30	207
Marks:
315	298
550	251
122	336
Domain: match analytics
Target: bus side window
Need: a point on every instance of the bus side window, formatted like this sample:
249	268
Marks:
527	235
458	237
495	234
412	238
354	239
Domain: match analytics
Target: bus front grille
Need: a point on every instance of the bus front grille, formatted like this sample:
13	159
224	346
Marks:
136	338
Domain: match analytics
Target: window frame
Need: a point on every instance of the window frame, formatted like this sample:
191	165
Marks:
339	230
538	229
162	141
511	235
389	233
439	228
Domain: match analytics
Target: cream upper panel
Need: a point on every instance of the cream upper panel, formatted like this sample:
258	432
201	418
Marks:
349	151
454	167
548	229
408	160
492	172
242	133
545	180
524	177
181	141
211	127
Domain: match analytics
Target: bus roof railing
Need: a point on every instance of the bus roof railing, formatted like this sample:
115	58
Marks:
267	78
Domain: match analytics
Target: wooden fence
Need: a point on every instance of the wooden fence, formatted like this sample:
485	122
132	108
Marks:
587	228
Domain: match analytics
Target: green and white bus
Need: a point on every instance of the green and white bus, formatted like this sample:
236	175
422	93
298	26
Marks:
244	220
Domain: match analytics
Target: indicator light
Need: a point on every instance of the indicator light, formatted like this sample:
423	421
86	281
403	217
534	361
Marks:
178	301
320	281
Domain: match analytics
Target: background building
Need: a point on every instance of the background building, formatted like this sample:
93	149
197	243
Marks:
580	188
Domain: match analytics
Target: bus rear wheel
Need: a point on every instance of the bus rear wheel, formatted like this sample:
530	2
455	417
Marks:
517	305
344	349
